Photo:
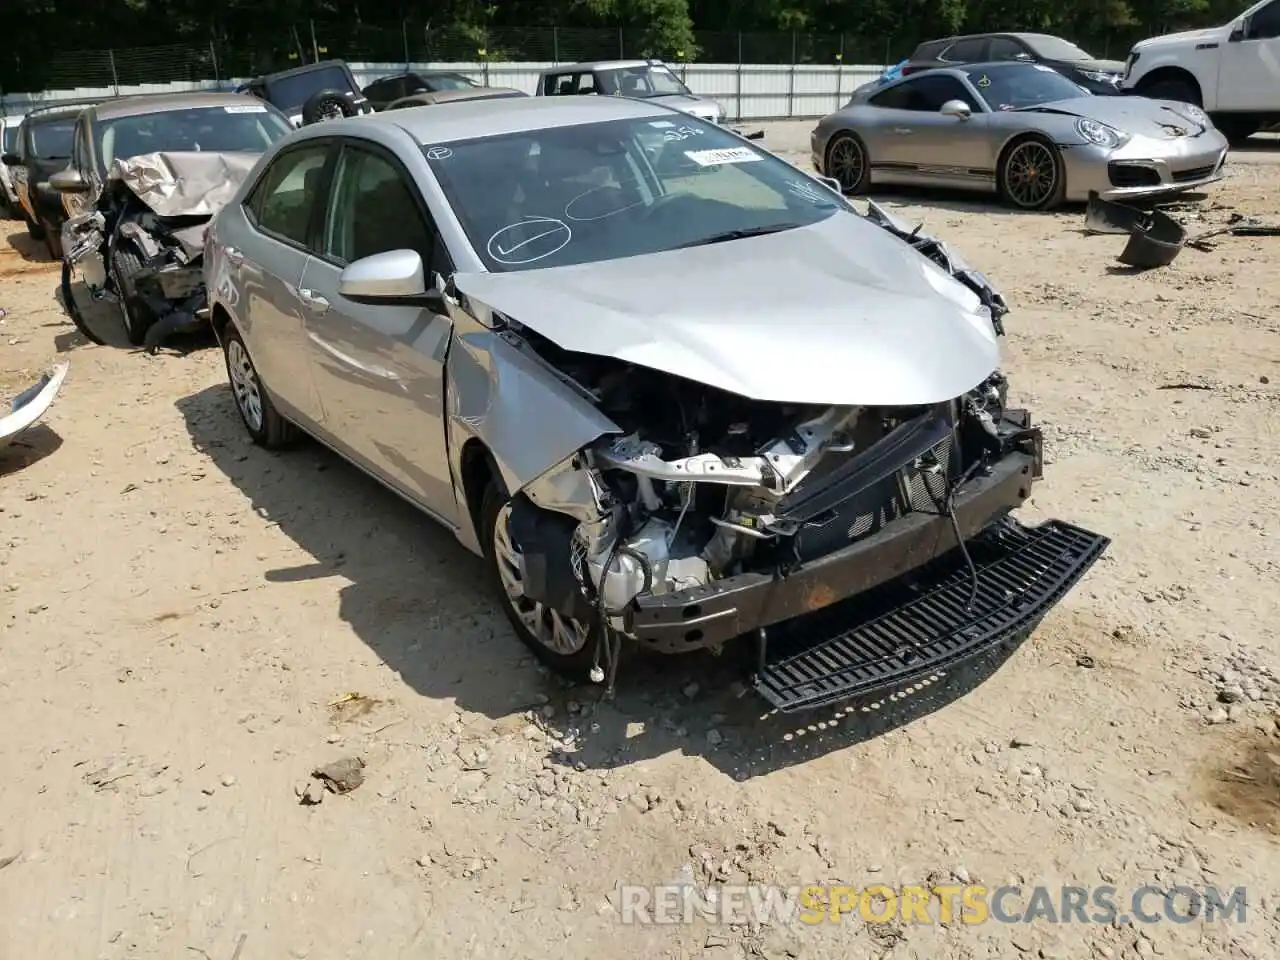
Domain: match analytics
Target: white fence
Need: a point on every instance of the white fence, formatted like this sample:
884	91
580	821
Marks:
747	91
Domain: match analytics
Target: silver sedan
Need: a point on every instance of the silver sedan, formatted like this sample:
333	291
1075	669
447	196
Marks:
1019	129
671	388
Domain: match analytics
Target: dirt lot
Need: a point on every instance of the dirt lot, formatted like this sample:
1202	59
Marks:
183	612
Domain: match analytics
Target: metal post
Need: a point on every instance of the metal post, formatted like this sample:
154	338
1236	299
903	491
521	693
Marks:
485	65
555	44
404	37
213	56
315	47
840	75
791	84
115	78
622	51
739	98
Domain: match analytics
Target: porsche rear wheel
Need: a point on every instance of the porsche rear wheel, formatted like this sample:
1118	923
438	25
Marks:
847	163
1031	175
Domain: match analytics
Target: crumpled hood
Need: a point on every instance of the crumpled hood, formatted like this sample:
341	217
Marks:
184	184
1134	115
840	312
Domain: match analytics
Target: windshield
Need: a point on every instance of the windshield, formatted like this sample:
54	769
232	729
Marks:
290	93
449	81
247	128
52	139
10	143
601	191
641	82
1014	86
1055	48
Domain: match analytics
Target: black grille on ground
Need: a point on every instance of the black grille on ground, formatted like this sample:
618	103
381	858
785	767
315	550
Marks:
1195	173
1132	175
905	631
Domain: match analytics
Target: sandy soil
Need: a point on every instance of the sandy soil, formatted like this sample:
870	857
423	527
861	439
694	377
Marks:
182	613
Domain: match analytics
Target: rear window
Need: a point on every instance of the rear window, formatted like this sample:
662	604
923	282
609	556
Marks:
290	93
52	139
447	81
966	51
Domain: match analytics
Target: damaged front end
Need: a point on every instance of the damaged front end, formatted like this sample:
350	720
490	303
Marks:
142	245
860	547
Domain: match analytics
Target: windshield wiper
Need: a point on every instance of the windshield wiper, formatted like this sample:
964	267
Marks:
739	234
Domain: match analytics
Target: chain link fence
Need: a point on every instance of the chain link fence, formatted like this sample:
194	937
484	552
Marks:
219	60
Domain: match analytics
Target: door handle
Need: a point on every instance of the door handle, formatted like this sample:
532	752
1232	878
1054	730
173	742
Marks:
234	256
313	299
902	131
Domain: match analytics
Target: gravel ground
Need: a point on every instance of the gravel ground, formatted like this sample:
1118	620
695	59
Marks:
186	618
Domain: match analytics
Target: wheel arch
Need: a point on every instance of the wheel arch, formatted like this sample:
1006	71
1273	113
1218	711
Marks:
1170	72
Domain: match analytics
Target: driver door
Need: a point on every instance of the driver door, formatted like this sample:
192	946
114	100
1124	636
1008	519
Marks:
380	369
918	144
1247	68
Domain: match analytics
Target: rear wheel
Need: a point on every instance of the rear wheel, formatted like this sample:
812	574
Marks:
847	163
1031	175
126	264
1175	88
266	426
562	643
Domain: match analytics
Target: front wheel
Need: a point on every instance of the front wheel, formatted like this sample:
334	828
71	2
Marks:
267	428
562	643
1031	175
34	230
1237	129
126	264
847	163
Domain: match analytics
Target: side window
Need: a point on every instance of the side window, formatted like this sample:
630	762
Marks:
1002	48
551	84
925	94
965	51
1265	24
79	159
587	83
282	202
373	209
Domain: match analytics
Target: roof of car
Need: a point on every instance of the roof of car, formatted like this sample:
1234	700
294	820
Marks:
600	65
471	93
1016	35
144	103
59	111
482	118
301	68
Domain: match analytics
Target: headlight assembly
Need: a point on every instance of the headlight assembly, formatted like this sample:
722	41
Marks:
1099	133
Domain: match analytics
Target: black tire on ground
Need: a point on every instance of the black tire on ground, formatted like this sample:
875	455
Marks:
266	426
1237	129
574	665
1023	154
846	152
1170	88
126	263
324	104
34	230
52	239
73	310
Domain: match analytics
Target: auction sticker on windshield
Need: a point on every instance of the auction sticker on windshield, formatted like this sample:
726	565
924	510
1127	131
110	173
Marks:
246	108
714	158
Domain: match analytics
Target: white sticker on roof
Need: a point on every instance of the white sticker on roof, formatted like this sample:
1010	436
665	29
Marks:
661	124
246	108
714	158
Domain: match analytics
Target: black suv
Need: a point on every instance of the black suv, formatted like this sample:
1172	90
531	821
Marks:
324	90
382	93
1101	77
43	148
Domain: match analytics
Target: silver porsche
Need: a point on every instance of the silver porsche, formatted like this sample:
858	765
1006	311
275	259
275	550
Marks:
1020	129
671	389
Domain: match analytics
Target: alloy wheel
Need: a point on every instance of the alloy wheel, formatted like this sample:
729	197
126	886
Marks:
244	384
558	633
1031	174
847	163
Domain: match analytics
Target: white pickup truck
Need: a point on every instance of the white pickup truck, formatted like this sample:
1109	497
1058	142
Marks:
1232	71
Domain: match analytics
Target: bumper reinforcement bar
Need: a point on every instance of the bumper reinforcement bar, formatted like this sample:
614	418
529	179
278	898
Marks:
846	651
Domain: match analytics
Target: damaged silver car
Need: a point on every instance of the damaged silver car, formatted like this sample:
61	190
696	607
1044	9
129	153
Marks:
147	173
678	394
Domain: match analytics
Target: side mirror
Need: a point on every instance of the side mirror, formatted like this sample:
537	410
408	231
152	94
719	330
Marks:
69	180
831	183
393	278
1239	31
956	108
10	159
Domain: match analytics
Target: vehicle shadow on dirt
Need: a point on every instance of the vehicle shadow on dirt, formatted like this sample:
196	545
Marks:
29	447
422	603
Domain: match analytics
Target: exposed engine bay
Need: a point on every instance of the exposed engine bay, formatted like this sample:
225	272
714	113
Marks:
143	243
703	484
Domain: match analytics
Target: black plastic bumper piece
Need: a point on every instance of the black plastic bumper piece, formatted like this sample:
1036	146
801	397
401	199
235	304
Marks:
869	645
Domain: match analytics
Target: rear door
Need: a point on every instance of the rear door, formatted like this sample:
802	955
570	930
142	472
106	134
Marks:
380	369
266	245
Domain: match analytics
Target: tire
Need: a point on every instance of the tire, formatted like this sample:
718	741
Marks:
126	263
857	177
574	657
34	230
1024	158
325	104
1237	129
1171	88
52	240
73	311
266	427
